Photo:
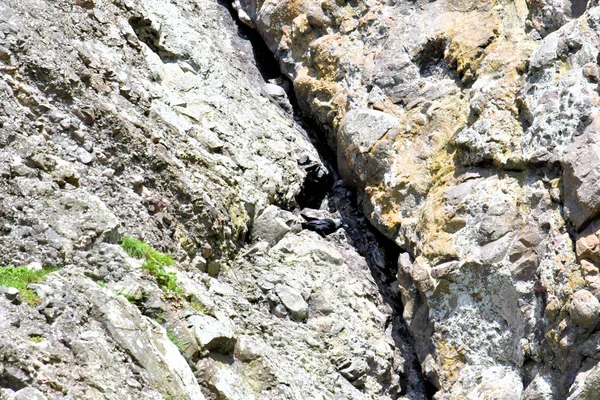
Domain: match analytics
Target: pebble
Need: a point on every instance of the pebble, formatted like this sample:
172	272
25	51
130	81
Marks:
84	156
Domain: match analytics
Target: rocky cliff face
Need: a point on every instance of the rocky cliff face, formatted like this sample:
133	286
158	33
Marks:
469	130
462	172
151	120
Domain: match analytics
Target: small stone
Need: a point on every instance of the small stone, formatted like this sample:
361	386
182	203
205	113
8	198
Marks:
321	304
87	4
588	247
78	135
378	106
590	71
29	393
137	181
585	309
353	369
43	161
213	268
207	250
66	124
212	334
35	266
83	242
199	263
293	301
274	90
87	115
84	156
525	267
279	311
272	225
11	293
552	309
247	349
265	285
589	268
108	173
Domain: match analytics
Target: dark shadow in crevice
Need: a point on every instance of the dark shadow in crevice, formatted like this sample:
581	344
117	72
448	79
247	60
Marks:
266	62
578	7
150	36
380	253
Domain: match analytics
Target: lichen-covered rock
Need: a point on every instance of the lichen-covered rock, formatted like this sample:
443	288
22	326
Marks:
463	126
151	119
468	130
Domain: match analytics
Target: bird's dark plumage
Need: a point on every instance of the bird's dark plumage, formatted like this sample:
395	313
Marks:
323	226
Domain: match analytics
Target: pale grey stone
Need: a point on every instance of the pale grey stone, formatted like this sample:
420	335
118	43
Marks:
585	309
293	301
582	177
212	334
29	393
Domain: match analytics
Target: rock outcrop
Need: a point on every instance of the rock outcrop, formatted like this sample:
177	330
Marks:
468	129
465	133
152	120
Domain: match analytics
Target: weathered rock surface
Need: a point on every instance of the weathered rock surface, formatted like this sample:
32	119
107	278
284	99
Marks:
469	129
150	119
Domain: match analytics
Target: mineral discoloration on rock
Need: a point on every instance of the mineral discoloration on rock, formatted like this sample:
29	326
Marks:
469	131
151	119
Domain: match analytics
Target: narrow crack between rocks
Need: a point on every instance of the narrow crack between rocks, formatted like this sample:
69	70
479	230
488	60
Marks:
380	253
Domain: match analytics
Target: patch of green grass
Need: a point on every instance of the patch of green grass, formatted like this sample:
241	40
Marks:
155	262
102	284
135	299
196	305
181	345
166	280
135	248
20	278
36	338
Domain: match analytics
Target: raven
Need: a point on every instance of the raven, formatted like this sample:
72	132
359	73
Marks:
323	226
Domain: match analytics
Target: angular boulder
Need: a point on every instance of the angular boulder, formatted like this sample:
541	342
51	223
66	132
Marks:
581	180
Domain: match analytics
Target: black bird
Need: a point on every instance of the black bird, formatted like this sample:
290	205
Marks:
323	226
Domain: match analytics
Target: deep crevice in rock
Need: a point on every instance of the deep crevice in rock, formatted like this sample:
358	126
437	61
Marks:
150	35
430	54
380	253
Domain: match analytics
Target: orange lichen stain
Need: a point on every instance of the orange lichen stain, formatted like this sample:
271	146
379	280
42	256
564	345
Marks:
385	199
327	101
467	47
451	360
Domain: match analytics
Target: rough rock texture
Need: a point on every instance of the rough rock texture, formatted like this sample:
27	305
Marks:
469	130
151	119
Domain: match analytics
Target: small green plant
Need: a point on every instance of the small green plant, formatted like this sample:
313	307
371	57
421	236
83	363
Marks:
155	262
166	280
121	292
196	305
135	248
20	278
181	345
36	338
102	284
